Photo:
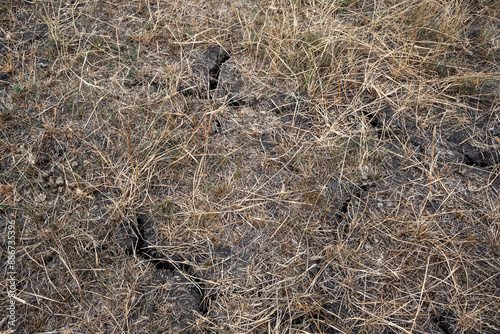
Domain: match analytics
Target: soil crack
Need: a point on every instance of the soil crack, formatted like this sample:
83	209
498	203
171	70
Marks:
214	72
205	72
144	249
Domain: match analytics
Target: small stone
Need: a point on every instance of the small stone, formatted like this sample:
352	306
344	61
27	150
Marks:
74	164
42	197
42	65
60	181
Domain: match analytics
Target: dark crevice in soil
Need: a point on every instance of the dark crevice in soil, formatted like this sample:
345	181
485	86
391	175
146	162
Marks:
377	120
473	155
215	70
344	208
455	141
233	102
206	72
144	249
358	192
443	326
480	158
219	127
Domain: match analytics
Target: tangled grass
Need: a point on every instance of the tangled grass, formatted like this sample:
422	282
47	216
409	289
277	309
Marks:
274	166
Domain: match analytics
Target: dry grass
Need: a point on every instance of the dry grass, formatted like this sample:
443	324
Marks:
353	187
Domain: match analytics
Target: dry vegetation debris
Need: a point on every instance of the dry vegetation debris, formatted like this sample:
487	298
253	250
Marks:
274	166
